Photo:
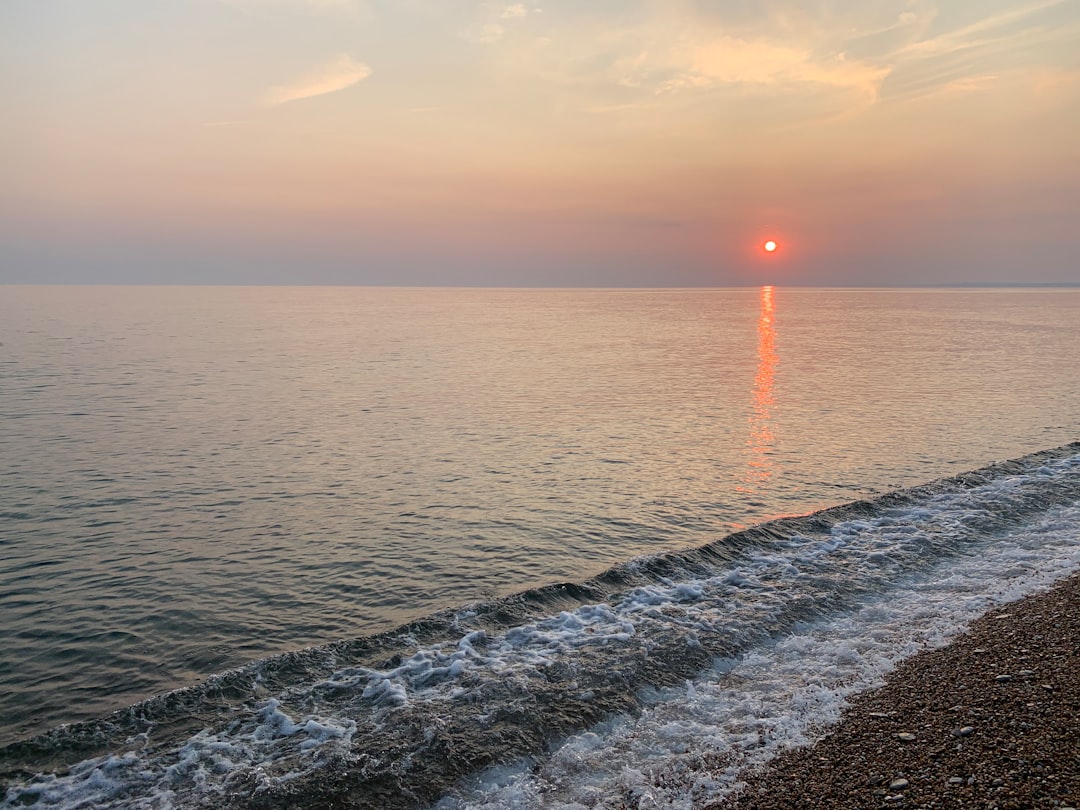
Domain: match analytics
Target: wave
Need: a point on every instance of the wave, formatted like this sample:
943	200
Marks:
498	704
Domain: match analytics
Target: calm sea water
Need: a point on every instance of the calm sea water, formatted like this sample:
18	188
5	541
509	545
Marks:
194	478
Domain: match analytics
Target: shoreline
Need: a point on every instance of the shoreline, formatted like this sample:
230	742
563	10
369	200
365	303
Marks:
990	721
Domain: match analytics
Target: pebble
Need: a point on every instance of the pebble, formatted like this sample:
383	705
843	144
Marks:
1003	678
1023	749
899	784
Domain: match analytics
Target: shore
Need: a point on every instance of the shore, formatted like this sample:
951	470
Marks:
992	722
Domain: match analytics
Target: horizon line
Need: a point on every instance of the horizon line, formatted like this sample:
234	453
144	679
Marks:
958	285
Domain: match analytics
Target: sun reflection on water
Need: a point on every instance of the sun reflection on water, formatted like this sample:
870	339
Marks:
762	437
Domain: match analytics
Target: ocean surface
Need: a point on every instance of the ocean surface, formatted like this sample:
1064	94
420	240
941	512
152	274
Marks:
500	548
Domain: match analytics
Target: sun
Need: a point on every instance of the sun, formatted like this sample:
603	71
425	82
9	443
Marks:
770	246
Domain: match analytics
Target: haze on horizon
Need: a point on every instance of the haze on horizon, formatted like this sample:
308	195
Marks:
604	143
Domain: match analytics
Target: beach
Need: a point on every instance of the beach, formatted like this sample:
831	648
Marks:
990	721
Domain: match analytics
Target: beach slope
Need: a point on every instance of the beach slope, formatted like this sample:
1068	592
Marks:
991	721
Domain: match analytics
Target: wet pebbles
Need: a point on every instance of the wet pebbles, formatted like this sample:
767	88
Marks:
990	722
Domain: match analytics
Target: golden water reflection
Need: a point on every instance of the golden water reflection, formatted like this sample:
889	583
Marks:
762	437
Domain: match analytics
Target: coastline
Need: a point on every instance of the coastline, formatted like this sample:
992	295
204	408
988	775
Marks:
990	721
357	724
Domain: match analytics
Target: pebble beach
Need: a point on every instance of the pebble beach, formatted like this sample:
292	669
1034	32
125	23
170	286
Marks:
991	721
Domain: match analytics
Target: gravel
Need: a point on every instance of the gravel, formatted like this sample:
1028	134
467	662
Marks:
991	722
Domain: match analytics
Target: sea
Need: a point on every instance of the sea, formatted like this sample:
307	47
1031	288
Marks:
453	549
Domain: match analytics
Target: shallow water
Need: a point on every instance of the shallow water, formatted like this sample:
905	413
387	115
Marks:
193	478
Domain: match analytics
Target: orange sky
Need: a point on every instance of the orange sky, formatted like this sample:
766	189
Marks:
619	142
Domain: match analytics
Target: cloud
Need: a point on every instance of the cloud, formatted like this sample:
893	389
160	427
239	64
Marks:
677	49
735	61
971	84
337	74
961	59
695	63
485	33
514	11
492	27
980	33
859	53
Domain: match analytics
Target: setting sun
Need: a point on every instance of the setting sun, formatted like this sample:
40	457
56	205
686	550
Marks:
770	246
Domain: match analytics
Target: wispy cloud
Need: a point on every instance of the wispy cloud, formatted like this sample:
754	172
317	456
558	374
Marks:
989	30
485	33
666	62
971	84
980	54
845	56
514	11
337	74
492	27
736	61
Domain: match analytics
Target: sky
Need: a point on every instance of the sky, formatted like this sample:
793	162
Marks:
556	142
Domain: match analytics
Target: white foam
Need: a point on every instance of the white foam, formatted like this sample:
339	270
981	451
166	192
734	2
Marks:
694	743
268	745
